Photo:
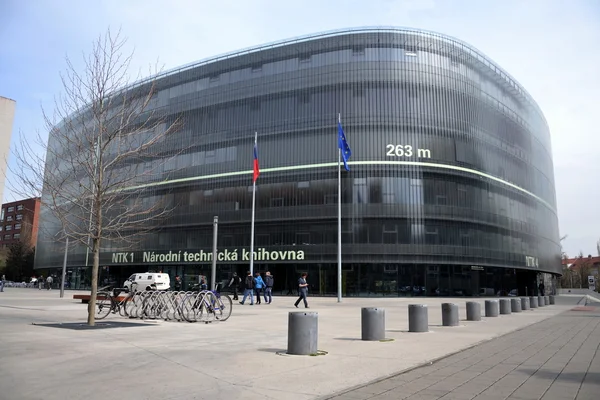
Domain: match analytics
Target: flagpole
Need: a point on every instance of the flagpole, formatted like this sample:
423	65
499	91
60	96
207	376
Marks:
252	223
339	268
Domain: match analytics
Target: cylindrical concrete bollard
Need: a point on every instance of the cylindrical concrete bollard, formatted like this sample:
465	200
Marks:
533	302
449	314
552	299
372	323
547	300
504	306
541	302
418	320
524	303
303	332
492	309
515	305
473	311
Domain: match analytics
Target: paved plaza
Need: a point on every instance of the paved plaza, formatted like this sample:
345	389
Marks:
238	359
555	359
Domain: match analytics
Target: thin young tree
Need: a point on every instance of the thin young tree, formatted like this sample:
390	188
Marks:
583	269
106	142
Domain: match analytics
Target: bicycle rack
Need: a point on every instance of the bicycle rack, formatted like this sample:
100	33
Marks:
204	306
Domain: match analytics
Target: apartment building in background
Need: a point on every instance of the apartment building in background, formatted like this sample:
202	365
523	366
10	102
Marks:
7	114
19	222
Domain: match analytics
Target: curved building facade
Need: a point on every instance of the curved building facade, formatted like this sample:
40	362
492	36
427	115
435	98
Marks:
450	189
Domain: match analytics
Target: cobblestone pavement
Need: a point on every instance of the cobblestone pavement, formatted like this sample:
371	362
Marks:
555	359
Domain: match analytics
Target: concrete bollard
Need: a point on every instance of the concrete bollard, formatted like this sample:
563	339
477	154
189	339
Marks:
552	299
449	314
515	305
372	323
541	302
303	332
547	300
504	306
533	302
473	311
492	308
418	320
524	303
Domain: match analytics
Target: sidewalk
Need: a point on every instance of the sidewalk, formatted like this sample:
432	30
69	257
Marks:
555	359
234	359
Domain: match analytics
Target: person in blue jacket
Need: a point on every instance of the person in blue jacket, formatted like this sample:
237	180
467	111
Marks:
259	285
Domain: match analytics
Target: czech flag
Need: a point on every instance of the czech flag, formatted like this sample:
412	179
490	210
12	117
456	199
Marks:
256	170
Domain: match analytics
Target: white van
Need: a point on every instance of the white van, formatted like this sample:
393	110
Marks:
148	281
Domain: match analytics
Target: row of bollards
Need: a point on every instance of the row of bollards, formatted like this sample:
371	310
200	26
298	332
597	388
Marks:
303	326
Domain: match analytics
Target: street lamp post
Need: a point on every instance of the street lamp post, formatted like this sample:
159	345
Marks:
213	273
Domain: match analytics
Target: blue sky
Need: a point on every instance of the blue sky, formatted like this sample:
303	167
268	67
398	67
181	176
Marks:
549	46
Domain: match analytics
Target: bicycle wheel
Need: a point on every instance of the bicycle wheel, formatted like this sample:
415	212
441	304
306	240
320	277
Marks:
192	308
132	306
225	307
103	305
123	305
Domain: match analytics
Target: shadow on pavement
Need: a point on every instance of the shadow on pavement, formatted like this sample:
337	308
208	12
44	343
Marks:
565	376
81	326
272	350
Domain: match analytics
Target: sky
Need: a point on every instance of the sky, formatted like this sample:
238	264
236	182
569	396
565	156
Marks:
549	46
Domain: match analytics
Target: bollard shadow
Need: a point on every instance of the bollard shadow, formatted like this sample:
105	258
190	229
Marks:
562	376
346	338
272	350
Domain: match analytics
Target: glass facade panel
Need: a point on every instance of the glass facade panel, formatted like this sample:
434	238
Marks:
450	188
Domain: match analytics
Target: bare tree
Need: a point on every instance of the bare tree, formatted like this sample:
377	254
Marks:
583	269
105	144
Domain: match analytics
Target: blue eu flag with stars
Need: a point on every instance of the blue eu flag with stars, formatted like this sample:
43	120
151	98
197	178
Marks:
344	147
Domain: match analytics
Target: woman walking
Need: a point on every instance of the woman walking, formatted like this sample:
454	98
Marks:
259	285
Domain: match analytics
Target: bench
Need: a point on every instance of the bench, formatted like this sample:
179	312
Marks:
85	298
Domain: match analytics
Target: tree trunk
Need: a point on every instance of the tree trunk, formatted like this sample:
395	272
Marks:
92	304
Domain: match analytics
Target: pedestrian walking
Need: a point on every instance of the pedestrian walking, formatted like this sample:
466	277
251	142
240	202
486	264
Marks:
248	289
268	287
177	284
541	287
49	282
259	285
40	282
234	284
2	283
302	290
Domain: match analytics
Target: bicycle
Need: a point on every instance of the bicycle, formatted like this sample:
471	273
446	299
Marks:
107	301
213	302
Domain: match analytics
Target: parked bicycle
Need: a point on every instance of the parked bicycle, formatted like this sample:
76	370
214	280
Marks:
108	301
198	306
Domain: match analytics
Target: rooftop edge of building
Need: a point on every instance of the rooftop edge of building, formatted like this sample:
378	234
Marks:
330	34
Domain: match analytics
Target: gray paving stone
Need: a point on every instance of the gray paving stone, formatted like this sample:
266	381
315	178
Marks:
556	359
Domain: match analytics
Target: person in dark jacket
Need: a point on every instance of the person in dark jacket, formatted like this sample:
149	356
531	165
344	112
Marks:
259	285
268	287
177	284
248	288
234	283
302	290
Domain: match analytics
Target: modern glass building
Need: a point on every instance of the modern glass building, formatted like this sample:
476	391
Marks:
450	189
